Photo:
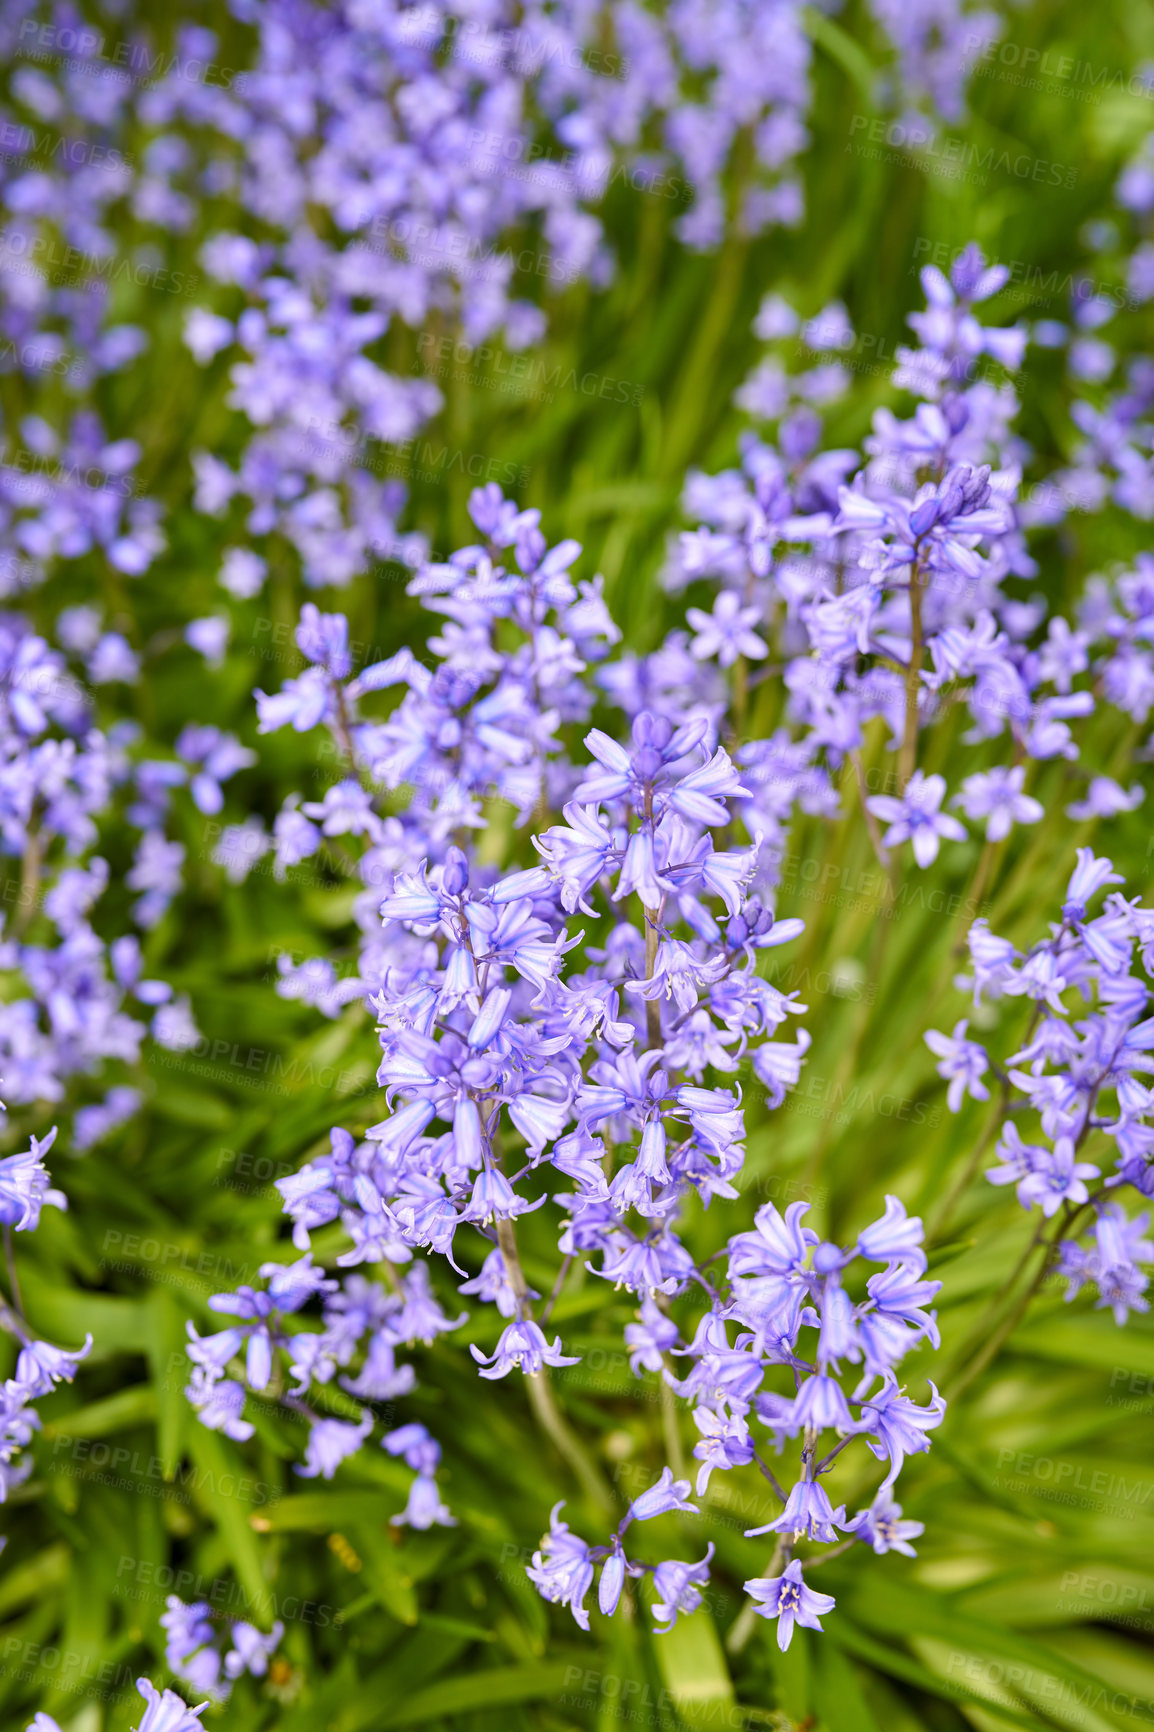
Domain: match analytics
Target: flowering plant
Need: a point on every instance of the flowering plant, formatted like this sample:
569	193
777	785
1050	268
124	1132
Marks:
575	1027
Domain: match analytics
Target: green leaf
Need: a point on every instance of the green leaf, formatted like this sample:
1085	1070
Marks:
321	1512
169	1366
134	1406
217	1487
35	1578
911	1671
692	1663
477	1692
837	1695
1095	1341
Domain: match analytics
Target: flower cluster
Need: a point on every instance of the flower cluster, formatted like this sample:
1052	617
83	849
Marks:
435	169
193	1654
563	925
562	1570
363	1322
62	777
783	1283
876	579
165	1711
520	1051
1077	1080
24	1191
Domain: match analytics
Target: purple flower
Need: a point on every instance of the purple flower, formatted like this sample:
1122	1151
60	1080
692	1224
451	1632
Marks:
963	1063
897	1426
523	1345
24	1185
1089	876
330	1442
881	1526
167	1712
790	1601
219	1405
820	1402
664	1495
251	1650
807	1511
1105	799
40	1365
727	632
562	1570
894	1235
612	1581
996	795
425	1508
916	818
1055	1178
677	1588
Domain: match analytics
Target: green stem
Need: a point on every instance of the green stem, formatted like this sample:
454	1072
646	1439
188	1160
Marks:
1009	1323
746	1621
908	756
540	1391
936	1223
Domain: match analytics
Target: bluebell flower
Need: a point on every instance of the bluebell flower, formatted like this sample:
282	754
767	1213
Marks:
167	1712
421	1452
523	1345
779	1245
896	1426
807	1511
612	1581
40	1366
24	1185
882	1527
820	1402
1088	877
330	1442
649	1339
425	1508
677	1588
725	1443
562	1570
788	1599
963	1064
1055	1178
727	632
664	1495
916	817
251	1649
1104	798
